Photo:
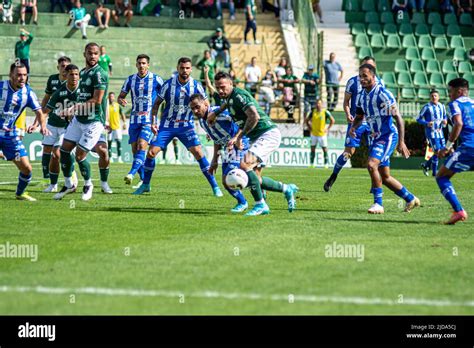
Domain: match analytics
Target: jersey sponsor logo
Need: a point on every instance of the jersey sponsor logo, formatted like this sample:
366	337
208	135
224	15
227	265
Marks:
88	82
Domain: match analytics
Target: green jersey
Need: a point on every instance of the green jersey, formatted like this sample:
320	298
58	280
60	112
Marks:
211	63
253	8
54	82
92	79
238	102
105	62
291	78
22	48
62	99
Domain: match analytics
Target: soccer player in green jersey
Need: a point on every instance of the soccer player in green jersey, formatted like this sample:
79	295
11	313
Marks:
264	139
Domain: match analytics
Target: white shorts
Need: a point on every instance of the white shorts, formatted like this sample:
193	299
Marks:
265	145
56	137
116	134
85	135
7	15
321	141
77	24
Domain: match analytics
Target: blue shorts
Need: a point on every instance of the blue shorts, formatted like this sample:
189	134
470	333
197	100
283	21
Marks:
187	135
137	131
437	143
12	147
461	160
383	147
361	132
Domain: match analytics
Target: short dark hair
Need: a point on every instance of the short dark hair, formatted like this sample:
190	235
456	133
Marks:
64	59
111	93
71	67
434	91
143	56
196	96
91	44
15	65
222	75
366	58
458	83
184	60
371	68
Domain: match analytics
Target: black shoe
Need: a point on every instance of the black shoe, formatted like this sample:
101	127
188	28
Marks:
328	184
84	37
426	170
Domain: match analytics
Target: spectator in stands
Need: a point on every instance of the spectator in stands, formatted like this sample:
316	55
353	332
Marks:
22	48
220	47
193	5
104	61
210	62
280	70
462	6
6	8
123	8
311	89
416	5
273	6
102	15
334	72
266	92
229	3
30	7
317	10
445	6
79	18
206	8
250	13
252	76
399	5
54	3
290	91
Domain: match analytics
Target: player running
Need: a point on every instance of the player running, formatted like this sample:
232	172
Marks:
264	138
461	113
144	87
220	133
15	97
177	121
433	118
378	106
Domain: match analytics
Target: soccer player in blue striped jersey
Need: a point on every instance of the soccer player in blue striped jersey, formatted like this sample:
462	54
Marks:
144	87
15	96
461	113
220	133
177	121
353	89
433	118
377	105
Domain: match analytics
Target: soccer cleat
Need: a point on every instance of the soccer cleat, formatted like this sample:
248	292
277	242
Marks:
412	205
290	196
326	166
64	191
51	188
425	169
329	182
128	179
84	37
140	183
142	189
240	208
105	187
376	209
74	179
217	192
259	209
25	197
87	192
457	216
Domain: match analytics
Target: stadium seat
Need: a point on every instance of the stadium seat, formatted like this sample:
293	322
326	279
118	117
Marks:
389	79
432	66
434	18
374	28
456	41
358	28
428	54
401	65
383	5
450	76
453	30
416	65
464	68
404	79
408	93
418	17
361	40
465	19
471	93
437	79
460	54
437	30
402	17
393	41
448	67
364	52
394	91
368	5
386	17
441	43
421	29
443	94
450	18
420	79
409	41
423	93
412	53
377	41
424	41
389	29
470	78
352	6
405	29
371	17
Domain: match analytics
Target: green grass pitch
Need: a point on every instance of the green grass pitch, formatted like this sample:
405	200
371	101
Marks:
179	250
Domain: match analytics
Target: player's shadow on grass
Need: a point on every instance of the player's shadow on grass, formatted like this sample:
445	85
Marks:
153	210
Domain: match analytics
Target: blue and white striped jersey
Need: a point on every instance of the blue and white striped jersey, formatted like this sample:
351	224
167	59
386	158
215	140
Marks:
375	105
353	87
144	91
464	106
177	113
12	104
223	130
435	113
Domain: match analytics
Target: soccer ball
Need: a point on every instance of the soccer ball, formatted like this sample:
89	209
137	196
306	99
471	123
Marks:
237	179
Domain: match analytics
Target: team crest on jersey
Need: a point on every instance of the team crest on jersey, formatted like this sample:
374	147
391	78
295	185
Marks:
88	82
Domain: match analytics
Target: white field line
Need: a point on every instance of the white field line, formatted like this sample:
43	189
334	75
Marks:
234	296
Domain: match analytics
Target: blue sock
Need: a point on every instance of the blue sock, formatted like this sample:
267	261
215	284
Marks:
378	194
448	192
341	162
237	195
138	161
141	173
204	164
434	164
23	181
149	167
405	194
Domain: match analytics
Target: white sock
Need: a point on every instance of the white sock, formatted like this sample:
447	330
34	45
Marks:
88	182
262	201
285	187
68	182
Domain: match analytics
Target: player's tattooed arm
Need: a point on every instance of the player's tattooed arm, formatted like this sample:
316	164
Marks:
356	122
208	82
212	116
402	148
453	136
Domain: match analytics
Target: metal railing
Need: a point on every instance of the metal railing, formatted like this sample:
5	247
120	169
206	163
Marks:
306	23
